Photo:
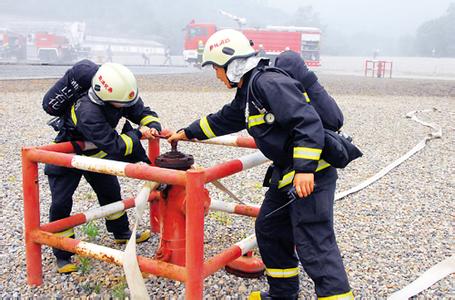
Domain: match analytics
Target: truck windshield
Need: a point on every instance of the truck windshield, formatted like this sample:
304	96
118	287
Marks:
197	31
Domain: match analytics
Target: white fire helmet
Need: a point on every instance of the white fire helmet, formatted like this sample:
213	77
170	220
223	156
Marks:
114	83
224	46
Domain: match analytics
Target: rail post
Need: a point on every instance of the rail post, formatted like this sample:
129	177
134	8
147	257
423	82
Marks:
195	234
154	150
31	219
153	153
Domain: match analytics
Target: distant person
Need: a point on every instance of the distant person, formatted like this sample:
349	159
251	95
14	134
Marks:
29	39
381	69
433	52
167	56
146	58
109	54
19	50
261	51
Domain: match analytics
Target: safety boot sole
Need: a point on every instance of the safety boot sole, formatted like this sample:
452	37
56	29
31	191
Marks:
143	237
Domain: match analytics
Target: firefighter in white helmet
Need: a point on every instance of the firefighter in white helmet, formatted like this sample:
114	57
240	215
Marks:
90	102
287	130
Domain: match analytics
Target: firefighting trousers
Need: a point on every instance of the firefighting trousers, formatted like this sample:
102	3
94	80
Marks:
301	231
63	182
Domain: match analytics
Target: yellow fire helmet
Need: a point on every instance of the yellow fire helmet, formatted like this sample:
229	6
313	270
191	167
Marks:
114	83
224	46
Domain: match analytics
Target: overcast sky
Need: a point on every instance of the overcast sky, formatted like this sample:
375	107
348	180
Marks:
391	17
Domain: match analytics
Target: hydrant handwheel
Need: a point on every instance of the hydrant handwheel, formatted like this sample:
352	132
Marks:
174	159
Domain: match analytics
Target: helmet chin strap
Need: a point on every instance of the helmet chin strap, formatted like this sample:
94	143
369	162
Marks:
233	84
94	98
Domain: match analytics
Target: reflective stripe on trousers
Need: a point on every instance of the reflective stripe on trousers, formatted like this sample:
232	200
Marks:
282	273
345	296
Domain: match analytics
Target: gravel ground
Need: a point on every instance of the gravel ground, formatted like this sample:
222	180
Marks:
389	233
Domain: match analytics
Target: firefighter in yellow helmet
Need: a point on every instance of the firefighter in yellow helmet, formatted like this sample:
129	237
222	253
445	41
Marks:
272	108
90	102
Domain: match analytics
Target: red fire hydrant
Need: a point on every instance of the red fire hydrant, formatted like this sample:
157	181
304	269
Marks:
171	208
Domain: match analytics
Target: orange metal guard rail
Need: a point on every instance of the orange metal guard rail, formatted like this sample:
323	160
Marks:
195	269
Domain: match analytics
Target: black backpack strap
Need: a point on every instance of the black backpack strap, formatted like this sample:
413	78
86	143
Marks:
77	149
256	74
309	79
250	89
274	69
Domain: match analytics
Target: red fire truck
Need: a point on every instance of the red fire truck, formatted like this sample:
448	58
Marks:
12	45
54	48
273	40
51	47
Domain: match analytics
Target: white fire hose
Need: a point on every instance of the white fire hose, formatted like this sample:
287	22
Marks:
133	274
442	269
427	279
433	135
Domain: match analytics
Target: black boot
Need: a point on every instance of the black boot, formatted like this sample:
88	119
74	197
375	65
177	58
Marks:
257	295
123	237
65	266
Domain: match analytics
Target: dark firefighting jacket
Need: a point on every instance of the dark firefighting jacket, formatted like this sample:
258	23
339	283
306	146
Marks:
295	140
88	121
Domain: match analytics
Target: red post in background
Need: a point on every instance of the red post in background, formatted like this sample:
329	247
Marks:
380	71
378	68
31	219
194	234
153	153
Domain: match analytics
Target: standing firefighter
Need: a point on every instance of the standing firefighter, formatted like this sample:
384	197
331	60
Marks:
287	129
200	51
90	101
